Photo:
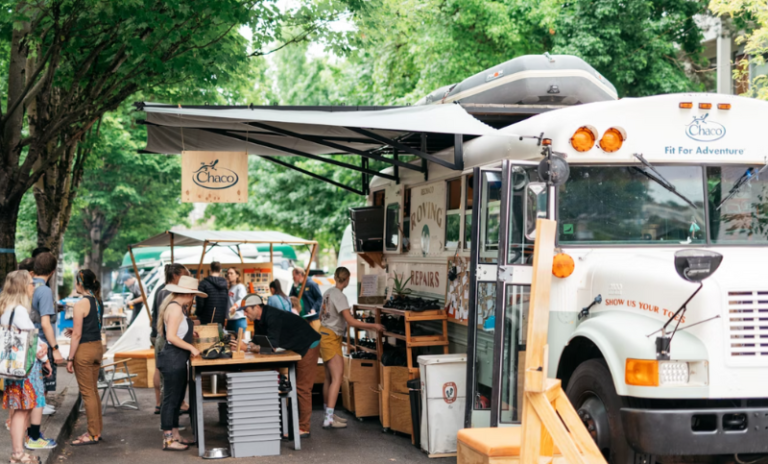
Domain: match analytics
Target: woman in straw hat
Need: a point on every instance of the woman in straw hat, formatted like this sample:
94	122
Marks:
177	328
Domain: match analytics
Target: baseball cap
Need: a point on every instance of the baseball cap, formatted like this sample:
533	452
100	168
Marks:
252	300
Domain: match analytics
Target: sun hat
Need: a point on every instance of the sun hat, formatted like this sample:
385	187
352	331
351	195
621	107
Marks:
252	300
186	284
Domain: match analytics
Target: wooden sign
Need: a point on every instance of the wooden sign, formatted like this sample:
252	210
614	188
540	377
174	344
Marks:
427	220
214	177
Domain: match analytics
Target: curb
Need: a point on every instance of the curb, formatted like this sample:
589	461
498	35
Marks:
62	423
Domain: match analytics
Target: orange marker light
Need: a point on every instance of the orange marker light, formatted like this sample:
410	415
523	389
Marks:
642	372
583	139
546	142
563	265
686	105
705	106
612	140
723	106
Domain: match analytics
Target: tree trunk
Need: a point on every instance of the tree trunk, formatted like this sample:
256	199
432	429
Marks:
9	214
94	258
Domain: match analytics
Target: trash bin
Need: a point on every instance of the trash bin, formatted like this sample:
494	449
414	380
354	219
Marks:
414	392
443	398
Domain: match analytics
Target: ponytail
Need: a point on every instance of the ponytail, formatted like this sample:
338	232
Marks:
88	280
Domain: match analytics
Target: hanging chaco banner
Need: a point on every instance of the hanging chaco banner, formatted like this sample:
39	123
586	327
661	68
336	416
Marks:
214	177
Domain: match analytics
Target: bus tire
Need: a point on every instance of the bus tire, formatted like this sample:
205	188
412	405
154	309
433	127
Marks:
593	395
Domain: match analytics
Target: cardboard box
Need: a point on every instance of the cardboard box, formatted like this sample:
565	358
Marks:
347	395
400	413
395	379
142	363
362	370
366	399
384	407
320	374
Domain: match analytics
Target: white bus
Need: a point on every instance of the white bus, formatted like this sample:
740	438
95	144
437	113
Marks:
649	177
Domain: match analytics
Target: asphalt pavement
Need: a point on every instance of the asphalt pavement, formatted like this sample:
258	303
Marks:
132	437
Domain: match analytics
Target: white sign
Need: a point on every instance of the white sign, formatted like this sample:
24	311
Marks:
428	220
369	285
424	278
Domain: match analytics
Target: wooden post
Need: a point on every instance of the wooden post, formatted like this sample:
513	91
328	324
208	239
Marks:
202	257
141	287
171	247
271	254
240	254
306	274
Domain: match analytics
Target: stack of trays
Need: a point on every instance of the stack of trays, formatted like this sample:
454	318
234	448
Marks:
253	405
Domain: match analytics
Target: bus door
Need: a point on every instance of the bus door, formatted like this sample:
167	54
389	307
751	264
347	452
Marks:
500	272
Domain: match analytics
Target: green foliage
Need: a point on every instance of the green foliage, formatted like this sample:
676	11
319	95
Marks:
400	286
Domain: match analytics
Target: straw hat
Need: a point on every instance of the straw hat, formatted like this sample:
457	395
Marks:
186	284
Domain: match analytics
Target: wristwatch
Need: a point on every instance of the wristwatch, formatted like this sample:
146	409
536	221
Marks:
70	359
56	348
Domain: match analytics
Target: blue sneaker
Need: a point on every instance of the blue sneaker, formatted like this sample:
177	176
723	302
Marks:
41	443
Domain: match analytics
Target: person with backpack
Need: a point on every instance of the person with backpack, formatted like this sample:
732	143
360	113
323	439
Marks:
23	395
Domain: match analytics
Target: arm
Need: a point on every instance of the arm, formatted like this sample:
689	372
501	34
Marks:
81	310
351	321
314	292
46	310
174	320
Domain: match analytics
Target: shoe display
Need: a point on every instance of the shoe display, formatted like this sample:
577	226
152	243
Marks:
363	355
408	303
41	443
339	419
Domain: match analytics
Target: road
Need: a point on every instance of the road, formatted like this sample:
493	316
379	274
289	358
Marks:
132	437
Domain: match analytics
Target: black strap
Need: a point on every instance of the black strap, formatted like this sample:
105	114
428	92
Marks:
13	313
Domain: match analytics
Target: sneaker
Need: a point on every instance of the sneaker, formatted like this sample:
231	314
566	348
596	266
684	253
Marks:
334	425
49	410
339	419
41	443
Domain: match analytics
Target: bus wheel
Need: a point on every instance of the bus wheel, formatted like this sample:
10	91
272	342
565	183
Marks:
592	393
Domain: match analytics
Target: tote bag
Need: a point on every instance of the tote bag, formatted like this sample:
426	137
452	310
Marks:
18	351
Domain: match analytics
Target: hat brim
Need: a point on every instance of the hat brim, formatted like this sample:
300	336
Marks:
176	289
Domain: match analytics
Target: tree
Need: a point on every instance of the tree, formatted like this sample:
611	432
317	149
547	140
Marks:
68	62
124	197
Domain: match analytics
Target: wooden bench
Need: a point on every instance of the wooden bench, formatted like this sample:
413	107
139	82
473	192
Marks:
498	445
142	363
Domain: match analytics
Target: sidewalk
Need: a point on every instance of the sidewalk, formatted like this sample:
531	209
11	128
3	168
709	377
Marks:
58	426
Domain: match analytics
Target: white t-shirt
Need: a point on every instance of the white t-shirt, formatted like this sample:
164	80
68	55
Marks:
236	295
22	321
334	302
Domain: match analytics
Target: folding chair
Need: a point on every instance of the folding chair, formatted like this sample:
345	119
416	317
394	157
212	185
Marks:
113	378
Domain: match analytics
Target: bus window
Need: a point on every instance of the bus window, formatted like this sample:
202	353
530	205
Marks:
407	221
489	218
453	214
513	353
520	247
468	211
610	205
742	217
392	237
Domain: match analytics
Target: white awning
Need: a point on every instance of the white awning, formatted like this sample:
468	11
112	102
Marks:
221	237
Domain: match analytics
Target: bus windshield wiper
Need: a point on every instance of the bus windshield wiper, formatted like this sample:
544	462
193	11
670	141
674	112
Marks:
745	179
660	179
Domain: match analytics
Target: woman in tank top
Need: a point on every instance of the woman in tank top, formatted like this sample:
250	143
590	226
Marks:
177	328
86	351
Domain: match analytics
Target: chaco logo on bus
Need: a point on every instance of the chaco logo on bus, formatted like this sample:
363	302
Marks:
209	177
702	130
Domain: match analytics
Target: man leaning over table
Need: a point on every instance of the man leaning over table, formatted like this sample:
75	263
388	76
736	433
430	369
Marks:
290	332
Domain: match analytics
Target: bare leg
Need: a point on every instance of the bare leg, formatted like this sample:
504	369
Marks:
158	393
326	383
336	366
19	430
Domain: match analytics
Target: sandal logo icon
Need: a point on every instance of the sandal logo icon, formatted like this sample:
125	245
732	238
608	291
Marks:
450	392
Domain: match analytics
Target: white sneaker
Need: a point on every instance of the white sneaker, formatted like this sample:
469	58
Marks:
334	425
49	410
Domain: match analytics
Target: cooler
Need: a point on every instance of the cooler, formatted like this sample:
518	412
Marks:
443	396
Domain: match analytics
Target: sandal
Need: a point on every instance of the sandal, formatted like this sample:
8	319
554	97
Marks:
185	442
169	444
24	459
86	440
157	409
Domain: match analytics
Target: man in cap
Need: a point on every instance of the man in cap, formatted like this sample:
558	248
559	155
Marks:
290	332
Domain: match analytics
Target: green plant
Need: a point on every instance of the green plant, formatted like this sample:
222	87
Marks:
399	288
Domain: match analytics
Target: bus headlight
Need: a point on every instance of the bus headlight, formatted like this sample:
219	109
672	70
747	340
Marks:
673	373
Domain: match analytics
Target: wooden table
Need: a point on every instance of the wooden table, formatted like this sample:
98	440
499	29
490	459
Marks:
250	361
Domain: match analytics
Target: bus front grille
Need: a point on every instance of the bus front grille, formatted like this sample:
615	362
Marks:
748	324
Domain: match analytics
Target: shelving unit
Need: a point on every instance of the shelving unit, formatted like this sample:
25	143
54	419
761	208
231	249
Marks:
353	336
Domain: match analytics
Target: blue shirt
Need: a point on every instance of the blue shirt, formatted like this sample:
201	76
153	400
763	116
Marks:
277	301
42	305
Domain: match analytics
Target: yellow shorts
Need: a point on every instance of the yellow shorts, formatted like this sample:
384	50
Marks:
316	325
330	344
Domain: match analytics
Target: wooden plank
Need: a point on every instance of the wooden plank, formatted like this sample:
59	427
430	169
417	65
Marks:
532	432
553	389
556	428
538	312
250	358
576	426
214	177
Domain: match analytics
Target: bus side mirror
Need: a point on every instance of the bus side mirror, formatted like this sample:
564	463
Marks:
534	207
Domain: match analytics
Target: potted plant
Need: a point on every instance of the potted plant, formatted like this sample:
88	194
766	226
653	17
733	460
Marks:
399	289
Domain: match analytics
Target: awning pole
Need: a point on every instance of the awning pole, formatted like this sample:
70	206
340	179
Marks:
171	247
202	257
240	254
271	258
141	287
306	273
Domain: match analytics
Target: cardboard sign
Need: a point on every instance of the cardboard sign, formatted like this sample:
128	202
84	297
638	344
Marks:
427	234
214	177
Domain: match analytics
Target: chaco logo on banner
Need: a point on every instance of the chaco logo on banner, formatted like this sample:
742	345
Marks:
214	177
702	130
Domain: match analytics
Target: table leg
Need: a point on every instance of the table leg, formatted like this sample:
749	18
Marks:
294	407
284	411
199	432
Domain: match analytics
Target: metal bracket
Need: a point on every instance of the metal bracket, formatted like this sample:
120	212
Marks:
484	272
506	273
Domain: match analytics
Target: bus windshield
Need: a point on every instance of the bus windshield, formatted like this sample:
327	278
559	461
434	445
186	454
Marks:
611	205
742	219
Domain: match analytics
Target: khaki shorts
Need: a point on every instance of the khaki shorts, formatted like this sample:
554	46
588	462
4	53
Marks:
330	344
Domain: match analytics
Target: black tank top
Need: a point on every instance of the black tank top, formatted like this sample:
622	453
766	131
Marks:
92	323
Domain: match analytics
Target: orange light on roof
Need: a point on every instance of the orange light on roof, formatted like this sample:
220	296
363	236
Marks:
723	106
612	140
642	372
686	105
546	142
563	265
705	106
583	139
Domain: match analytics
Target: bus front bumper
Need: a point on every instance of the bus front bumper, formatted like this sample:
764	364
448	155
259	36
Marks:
669	432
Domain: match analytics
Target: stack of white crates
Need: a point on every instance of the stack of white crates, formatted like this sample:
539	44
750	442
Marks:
254	414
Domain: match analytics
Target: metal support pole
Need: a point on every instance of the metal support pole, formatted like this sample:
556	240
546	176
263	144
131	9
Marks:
171	247
424	165
397	168
458	152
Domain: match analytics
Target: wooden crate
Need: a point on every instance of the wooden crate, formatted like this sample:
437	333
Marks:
366	399
320	374
347	395
384	407
395	379
400	413
362	370
142	364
